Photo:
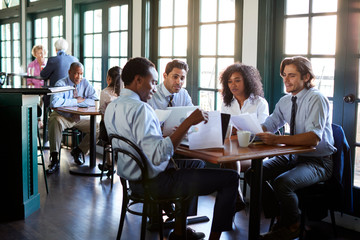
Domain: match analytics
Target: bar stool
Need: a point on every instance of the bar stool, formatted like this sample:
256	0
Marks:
41	154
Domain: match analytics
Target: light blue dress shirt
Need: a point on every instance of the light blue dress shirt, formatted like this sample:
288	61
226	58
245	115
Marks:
66	99
312	115
129	117
160	99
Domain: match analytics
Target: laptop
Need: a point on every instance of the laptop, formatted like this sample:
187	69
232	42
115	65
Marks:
225	120
177	116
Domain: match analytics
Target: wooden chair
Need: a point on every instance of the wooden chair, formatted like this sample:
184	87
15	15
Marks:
107	148
130	198
41	154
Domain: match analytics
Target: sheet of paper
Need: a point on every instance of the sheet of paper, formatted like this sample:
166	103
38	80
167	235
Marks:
247	122
207	135
162	114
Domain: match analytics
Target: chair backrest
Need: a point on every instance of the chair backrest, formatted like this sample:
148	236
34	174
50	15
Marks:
140	161
341	181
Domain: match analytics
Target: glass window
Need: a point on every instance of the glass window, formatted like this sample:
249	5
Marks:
10	48
56	32
211	39
8	4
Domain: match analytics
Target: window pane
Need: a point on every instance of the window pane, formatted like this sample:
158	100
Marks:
3	53
124	17
180	41
123	61
219	101
227	10
207	99
357	167
297	7
124	44
165	43
114	62
55	26
16	29
208	40
207	73
88	65
98	20
324	69
44	29
226	39
166	13
88	46
97	69
296	36
97	45
37	28
89	20
114	18
208	10
16	51
324	6
114	42
323	39
8	48
222	63
181	15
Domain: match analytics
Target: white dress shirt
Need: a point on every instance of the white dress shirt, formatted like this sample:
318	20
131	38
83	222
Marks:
129	117
251	105
160	99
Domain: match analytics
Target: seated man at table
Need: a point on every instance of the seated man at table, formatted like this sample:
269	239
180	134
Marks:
131	117
306	109
83	94
170	93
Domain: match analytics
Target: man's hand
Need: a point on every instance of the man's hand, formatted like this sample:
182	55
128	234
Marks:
268	138
198	116
80	99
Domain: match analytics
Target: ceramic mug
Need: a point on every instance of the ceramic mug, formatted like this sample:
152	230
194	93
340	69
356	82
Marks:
244	138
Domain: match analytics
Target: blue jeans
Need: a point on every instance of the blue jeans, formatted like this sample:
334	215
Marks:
285	177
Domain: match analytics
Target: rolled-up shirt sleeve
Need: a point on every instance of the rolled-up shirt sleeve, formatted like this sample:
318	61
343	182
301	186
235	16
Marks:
316	119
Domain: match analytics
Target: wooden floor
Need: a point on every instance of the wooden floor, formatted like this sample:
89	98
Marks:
84	208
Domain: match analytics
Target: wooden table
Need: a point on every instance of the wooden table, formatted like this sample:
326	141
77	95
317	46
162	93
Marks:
90	170
257	153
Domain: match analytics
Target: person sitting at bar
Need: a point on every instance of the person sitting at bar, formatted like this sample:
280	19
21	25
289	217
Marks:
83	94
130	116
307	111
242	92
170	93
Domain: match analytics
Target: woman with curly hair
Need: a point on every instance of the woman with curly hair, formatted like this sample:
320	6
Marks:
242	92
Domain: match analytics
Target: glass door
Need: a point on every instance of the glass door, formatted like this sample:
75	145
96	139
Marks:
315	29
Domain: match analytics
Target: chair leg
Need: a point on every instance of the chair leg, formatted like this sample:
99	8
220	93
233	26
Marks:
123	208
103	162
42	161
333	223
302	224
112	167
143	220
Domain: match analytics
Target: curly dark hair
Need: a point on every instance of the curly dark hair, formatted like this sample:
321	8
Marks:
252	81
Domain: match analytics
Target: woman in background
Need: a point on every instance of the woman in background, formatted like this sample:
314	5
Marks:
107	95
35	67
242	92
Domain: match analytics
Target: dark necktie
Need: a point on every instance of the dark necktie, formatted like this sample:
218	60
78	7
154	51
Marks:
170	104
293	115
75	93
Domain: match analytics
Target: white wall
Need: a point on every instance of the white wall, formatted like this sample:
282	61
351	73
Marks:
250	31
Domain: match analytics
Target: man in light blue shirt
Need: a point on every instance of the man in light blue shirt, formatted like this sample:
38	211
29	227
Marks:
307	111
82	95
130	116
170	93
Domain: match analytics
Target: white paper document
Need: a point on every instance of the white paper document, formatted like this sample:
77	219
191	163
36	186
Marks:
247	122
207	135
162	115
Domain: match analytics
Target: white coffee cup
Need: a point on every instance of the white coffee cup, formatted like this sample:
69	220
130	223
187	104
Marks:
97	104
244	138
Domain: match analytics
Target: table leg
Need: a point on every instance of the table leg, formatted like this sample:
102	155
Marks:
90	170
255	198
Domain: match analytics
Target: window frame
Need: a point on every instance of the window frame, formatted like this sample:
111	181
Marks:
11	21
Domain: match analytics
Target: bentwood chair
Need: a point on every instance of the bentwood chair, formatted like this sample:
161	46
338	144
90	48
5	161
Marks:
131	198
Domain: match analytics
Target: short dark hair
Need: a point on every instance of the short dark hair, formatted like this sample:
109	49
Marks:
176	64
135	66
76	64
115	74
303	65
252	81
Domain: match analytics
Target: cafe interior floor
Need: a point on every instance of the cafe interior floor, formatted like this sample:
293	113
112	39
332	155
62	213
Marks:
79	207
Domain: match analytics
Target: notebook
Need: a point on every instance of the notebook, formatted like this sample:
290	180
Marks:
177	116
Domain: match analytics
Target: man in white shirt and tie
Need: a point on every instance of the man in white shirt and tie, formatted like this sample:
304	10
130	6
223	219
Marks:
170	93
